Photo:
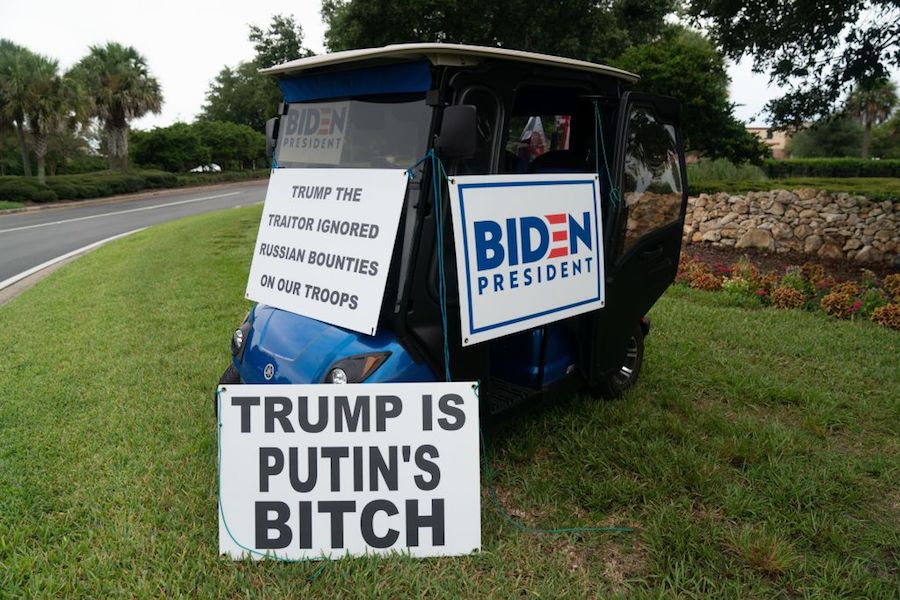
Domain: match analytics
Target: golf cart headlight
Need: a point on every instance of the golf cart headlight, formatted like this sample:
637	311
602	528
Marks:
239	340
338	376
355	369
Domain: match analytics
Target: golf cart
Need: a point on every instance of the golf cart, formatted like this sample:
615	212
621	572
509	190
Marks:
482	111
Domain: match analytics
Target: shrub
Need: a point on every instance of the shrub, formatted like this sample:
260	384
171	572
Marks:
812	273
831	167
888	316
850	288
876	189
745	269
872	299
20	189
840	305
892	285
793	278
769	281
723	169
700	280
742	292
788	297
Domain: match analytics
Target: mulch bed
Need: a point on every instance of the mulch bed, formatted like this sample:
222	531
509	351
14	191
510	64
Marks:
842	270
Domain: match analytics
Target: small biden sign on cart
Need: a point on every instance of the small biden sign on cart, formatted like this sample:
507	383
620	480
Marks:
324	471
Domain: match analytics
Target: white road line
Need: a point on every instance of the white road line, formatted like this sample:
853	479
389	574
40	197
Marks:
20	276
120	212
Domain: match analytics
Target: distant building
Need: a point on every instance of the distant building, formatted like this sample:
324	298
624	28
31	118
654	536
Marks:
775	139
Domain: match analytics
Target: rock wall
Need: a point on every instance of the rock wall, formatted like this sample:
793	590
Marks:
825	224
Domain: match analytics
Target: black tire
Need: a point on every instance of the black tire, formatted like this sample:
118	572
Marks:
619	381
230	376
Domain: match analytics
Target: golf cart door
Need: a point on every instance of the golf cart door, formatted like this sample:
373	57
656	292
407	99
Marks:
645	224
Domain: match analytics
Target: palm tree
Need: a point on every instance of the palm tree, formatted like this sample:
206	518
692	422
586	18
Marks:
54	106
872	103
16	67
121	88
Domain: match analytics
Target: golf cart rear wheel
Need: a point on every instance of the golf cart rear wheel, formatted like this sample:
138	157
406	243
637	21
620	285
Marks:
620	380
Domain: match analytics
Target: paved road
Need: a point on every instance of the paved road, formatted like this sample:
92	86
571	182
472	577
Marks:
33	238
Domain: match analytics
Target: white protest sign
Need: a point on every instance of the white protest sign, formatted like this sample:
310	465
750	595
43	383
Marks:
313	133
313	471
325	242
529	251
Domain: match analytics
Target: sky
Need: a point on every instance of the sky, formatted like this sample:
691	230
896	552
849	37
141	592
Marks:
187	42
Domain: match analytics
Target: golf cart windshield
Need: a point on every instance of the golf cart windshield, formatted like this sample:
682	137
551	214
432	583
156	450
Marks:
358	133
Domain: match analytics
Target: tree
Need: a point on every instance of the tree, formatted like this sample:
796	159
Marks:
175	148
872	103
817	49
240	94
16	68
577	28
280	43
886	138
628	33
685	65
54	104
230	144
834	136
121	89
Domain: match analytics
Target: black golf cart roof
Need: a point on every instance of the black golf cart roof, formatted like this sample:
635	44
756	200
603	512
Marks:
456	55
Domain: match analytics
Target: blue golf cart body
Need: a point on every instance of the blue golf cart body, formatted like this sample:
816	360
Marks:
483	111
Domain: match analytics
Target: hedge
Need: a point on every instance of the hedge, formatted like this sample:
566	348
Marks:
873	188
831	167
106	183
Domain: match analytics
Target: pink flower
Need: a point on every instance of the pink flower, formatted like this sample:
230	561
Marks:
760	292
856	306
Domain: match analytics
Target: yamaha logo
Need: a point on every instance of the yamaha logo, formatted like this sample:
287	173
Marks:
269	371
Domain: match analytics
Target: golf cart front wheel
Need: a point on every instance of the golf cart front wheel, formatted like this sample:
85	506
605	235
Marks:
626	375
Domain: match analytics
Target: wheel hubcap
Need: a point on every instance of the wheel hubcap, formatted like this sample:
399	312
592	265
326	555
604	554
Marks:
625	373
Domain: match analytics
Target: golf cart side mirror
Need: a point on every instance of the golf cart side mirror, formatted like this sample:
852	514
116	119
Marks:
271	135
458	134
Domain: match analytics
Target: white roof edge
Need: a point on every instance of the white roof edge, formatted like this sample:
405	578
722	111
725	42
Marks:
444	54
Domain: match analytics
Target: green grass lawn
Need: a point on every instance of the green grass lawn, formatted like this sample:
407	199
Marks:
759	456
4	204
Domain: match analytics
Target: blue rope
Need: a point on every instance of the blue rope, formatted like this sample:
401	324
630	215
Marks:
614	196
250	551
438	175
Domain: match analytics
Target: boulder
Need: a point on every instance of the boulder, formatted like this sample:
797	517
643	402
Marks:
727	219
812	243
756	238
782	231
777	208
830	250
868	254
801	231
852	244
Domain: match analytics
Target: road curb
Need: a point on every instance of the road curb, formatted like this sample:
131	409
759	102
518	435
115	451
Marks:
124	197
15	285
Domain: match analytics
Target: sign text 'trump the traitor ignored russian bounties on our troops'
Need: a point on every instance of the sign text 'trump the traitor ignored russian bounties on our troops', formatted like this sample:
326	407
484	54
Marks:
325	242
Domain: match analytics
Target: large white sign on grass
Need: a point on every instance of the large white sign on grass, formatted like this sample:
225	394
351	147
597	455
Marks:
529	251
325	241
313	471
